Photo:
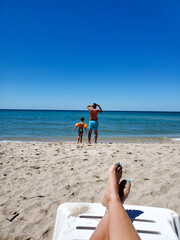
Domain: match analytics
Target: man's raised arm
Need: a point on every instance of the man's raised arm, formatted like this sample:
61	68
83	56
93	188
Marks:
100	109
89	107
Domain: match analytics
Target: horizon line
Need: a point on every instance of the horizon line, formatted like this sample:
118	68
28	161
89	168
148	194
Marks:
24	109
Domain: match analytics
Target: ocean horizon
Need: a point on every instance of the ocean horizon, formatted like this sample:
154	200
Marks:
79	110
114	126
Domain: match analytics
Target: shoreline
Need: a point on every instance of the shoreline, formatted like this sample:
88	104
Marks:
36	177
133	139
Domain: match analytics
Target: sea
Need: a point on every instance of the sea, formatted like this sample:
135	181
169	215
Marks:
114	126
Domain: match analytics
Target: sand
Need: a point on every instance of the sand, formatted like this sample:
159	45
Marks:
37	177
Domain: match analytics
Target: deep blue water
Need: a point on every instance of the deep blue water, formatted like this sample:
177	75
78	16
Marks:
44	125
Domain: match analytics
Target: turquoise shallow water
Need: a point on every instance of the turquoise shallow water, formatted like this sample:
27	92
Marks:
44	125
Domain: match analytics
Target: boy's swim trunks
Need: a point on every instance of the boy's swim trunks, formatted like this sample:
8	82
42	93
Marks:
80	130
93	125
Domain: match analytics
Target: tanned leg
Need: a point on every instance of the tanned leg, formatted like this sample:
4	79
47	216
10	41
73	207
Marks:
78	137
89	136
103	230
120	226
81	135
95	135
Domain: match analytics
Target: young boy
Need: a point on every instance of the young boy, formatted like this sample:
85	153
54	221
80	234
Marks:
81	126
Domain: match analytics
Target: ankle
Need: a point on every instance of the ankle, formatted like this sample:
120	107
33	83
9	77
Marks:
113	198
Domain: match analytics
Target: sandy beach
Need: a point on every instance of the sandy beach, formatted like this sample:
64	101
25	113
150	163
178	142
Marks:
36	177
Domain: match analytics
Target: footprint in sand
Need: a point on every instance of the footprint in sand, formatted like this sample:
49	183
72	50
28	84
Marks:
164	189
99	180
46	232
68	187
137	160
146	179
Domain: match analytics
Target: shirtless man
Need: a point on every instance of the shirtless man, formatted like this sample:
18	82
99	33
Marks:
93	120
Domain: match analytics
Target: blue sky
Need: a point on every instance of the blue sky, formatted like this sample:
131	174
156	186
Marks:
124	55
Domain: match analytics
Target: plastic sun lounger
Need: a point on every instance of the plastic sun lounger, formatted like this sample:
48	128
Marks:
77	221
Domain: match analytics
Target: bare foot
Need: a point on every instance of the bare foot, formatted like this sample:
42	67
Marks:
124	189
112	190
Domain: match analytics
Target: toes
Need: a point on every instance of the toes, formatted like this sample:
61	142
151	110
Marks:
114	167
127	189
124	189
121	188
119	171
117	166
127	186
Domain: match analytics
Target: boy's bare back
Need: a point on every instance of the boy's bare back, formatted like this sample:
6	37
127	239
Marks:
81	125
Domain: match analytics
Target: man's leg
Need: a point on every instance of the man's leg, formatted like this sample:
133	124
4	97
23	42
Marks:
95	135
89	136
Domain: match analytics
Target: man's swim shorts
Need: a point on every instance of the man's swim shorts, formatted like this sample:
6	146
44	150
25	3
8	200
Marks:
93	125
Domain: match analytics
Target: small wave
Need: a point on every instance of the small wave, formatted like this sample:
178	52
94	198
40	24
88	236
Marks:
175	139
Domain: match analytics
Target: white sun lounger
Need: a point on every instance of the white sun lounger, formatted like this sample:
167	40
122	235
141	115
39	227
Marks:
77	221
